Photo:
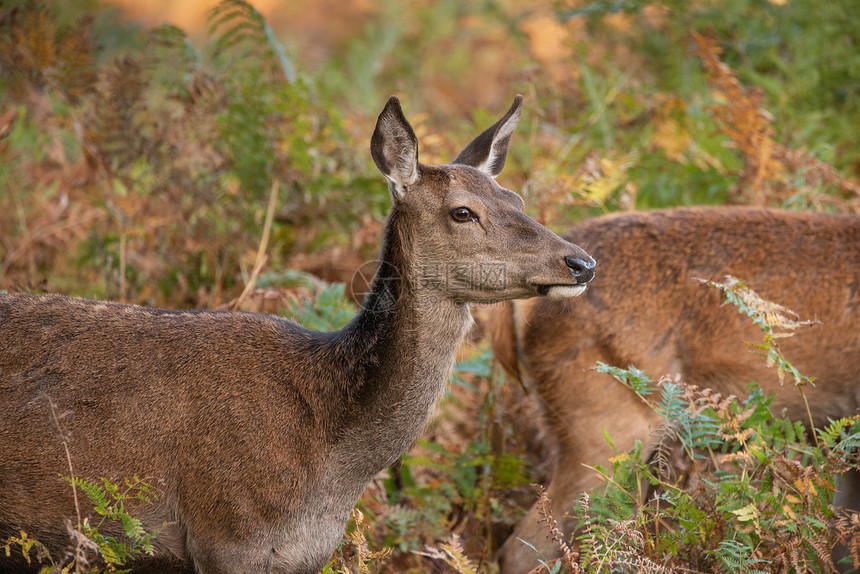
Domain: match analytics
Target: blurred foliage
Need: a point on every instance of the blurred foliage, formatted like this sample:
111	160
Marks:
137	163
141	175
136	160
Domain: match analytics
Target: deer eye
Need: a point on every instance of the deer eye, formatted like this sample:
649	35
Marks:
463	214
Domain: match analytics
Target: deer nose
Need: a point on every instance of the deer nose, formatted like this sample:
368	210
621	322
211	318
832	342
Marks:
582	270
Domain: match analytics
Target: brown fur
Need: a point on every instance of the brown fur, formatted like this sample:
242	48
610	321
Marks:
645	308
261	435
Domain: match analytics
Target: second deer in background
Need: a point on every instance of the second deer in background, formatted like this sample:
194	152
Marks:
646	308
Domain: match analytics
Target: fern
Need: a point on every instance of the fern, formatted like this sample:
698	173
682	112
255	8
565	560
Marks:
671	405
171	60
88	540
45	54
736	557
356	542
452	554
26	545
773	319
109	500
97	495
741	116
637	380
240	29
324	310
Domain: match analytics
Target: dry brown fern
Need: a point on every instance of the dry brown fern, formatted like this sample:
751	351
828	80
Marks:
451	553
570	557
741	115
44	55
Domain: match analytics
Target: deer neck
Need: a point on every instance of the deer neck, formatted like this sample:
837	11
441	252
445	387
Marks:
401	347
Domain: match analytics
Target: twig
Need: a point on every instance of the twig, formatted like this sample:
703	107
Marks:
65	442
809	414
262	258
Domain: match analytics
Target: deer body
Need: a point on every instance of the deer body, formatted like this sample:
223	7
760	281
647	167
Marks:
646	308
261	435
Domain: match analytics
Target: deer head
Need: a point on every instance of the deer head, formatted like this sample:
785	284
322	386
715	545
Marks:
472	239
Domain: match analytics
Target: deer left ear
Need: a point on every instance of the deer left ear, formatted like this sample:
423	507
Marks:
488	151
394	149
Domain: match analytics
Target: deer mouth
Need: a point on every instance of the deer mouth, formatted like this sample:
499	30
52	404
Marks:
561	291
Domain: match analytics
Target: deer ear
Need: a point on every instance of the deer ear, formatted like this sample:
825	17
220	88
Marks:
394	148
488	151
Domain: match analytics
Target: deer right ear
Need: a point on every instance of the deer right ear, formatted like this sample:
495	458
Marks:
394	149
488	151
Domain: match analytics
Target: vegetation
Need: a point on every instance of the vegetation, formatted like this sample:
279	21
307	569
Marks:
732	488
228	167
90	550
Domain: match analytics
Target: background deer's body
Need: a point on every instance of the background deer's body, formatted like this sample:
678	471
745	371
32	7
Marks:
645	308
262	435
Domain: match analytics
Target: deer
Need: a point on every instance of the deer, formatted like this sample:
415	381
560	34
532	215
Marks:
260	435
648	307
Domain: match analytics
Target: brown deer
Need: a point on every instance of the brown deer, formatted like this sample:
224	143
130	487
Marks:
261	435
646	308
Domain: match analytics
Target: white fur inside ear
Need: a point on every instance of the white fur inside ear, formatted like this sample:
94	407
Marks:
404	174
397	193
492	166
484	166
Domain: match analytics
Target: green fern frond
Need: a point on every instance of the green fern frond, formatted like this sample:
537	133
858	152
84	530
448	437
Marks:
831	434
169	43
96	494
737	556
238	26
635	379
672	405
133	527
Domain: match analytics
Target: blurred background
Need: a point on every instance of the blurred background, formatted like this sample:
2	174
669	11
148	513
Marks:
203	154
142	139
